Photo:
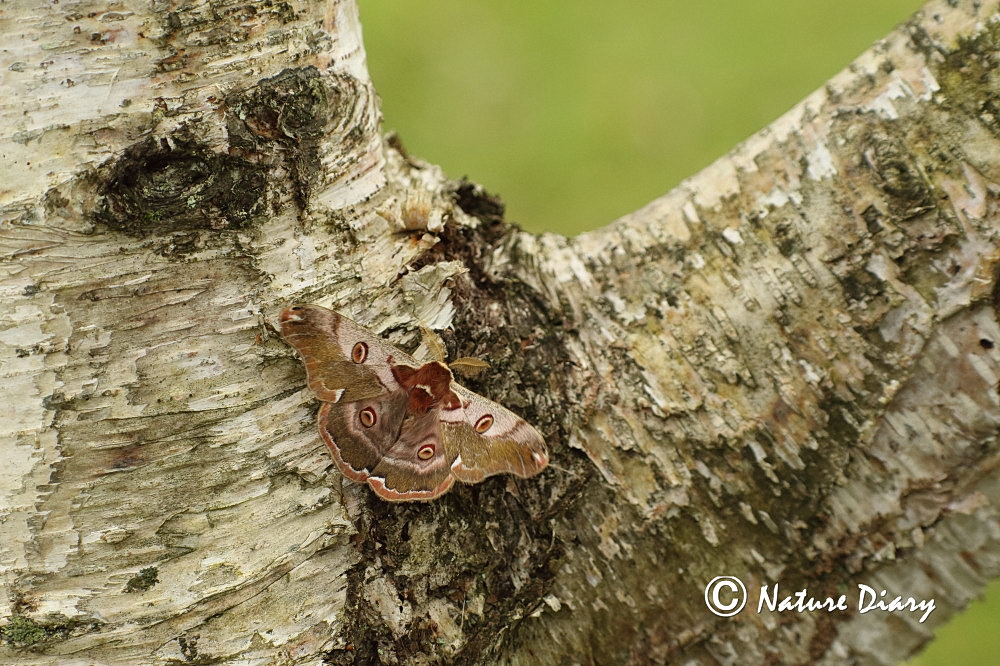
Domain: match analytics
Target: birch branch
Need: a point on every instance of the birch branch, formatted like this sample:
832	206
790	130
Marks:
784	370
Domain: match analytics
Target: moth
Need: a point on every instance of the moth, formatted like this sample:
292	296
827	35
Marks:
405	427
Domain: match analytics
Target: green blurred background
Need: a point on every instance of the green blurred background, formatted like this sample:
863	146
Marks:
576	113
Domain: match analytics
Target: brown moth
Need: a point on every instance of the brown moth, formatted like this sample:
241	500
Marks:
403	426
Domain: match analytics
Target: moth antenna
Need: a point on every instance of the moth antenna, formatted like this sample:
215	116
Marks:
432	341
468	366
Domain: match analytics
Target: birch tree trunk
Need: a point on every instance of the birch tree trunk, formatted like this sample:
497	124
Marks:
785	370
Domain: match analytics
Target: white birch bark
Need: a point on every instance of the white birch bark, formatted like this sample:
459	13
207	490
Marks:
784	370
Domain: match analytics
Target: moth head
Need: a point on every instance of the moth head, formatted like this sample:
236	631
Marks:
360	352
484	423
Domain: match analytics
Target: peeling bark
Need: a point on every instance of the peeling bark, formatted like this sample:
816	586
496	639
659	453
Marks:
785	370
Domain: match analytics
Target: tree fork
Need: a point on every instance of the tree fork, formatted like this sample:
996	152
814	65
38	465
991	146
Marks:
784	370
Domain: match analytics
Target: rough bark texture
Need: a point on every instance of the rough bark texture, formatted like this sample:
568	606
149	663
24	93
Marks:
785	370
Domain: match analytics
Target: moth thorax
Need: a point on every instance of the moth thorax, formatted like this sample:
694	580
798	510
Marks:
368	417
484	423
425	452
359	353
